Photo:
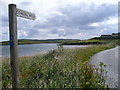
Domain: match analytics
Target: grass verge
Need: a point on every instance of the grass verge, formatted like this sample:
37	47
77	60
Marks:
63	68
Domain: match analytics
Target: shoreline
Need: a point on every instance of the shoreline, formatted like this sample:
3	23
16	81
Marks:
47	51
72	47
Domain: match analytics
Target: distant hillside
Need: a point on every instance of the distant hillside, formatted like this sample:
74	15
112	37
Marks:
35	41
112	36
103	39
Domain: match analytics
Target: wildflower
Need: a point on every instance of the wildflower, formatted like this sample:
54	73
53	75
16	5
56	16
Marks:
105	65
98	84
101	63
87	83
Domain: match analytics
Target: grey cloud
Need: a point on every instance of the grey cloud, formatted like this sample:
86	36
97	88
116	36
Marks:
5	32
4	21
81	15
25	3
32	33
86	14
58	31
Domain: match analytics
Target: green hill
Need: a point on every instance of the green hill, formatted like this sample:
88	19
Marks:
103	39
34	41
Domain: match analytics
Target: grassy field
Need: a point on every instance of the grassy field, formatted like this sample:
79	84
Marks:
62	68
91	42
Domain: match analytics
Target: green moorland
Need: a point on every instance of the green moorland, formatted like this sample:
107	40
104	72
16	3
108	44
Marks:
66	41
102	40
96	41
62	68
30	41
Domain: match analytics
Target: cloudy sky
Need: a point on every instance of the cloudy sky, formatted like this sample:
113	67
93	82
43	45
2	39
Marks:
58	19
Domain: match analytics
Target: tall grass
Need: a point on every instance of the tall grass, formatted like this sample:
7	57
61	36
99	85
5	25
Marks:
64	68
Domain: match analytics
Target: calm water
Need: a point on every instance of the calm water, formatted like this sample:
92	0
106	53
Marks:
31	49
28	49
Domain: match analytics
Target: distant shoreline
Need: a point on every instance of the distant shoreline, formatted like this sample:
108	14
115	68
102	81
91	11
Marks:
29	43
103	39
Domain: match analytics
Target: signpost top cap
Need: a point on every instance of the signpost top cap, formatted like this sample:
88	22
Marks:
12	4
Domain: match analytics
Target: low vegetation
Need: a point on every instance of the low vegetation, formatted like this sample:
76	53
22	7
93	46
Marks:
62	68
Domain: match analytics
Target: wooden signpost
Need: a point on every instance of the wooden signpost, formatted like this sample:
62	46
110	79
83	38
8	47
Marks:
13	13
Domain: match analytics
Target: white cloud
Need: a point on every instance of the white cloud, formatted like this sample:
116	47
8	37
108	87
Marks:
94	24
103	1
111	20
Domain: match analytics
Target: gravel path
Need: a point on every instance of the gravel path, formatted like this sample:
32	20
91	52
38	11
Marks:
109	57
